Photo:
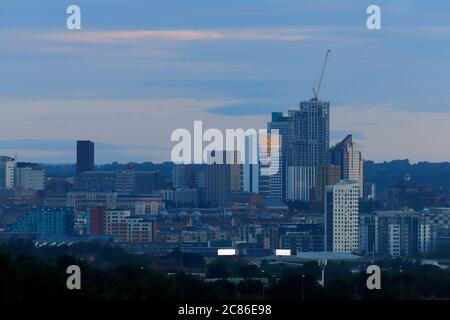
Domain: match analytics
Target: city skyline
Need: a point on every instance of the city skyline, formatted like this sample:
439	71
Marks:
168	66
213	158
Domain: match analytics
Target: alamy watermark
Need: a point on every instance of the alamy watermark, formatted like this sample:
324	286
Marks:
237	146
74	279
374	280
374	20
73	21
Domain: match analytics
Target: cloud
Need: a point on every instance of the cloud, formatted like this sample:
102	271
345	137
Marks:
132	35
121	36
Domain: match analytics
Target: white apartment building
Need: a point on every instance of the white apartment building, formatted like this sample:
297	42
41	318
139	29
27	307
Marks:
394	240
7	169
424	238
354	167
342	217
30	178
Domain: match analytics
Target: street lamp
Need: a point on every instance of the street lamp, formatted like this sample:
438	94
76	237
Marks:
302	285
401	283
263	286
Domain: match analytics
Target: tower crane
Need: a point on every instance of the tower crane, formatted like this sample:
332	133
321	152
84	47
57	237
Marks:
316	91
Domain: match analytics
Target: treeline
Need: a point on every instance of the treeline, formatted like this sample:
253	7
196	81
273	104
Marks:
68	170
385	174
27	272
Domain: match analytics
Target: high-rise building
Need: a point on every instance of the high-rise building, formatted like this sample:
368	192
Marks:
218	180
346	155
196	179
310	140
342	217
270	166
179	176
29	176
7	172
281	123
250	167
236	173
85	156
311	133
300	182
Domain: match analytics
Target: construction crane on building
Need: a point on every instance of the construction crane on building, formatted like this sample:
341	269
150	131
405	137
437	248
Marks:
316	91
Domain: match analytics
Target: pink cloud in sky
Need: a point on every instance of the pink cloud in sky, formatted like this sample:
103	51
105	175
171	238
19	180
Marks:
175	35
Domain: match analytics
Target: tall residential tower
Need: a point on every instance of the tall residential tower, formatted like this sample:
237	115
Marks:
310	140
347	156
85	156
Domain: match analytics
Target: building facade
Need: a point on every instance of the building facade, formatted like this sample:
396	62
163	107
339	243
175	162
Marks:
402	233
342	217
127	228
85	156
282	125
97	220
218	181
46	222
29	176
7	172
310	141
181	197
347	156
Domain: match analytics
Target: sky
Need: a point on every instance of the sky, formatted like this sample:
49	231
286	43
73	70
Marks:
139	69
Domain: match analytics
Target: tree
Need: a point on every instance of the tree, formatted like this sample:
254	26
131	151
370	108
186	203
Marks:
218	270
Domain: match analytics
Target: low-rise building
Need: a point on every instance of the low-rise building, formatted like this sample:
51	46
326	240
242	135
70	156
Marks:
46	222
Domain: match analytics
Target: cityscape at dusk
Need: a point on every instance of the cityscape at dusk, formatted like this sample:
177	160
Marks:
254	151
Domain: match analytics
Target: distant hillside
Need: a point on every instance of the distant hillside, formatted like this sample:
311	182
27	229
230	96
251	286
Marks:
435	175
